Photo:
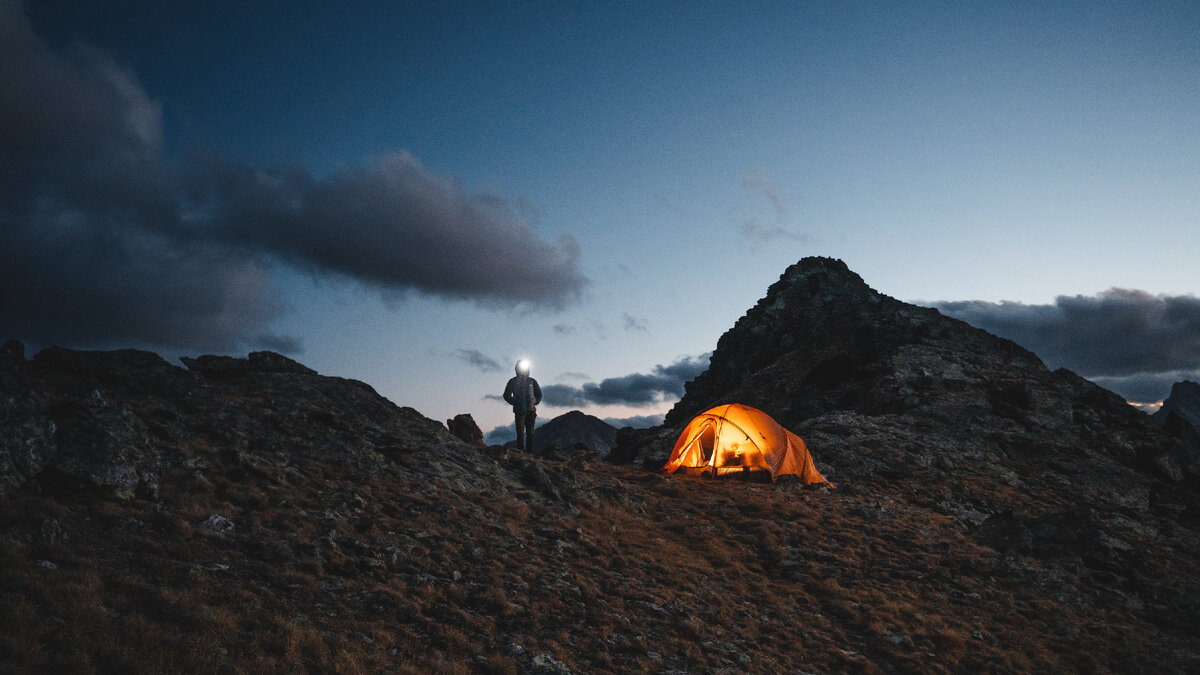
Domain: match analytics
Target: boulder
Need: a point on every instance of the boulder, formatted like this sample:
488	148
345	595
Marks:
465	429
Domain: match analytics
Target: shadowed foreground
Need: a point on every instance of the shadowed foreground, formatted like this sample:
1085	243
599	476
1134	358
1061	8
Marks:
265	518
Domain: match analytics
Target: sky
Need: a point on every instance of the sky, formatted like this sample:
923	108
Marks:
416	195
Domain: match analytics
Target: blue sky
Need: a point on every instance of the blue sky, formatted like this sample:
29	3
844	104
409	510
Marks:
418	194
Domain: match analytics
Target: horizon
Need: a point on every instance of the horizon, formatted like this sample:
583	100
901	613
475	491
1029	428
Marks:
417	196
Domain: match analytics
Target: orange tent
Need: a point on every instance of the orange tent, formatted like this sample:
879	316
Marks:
736	438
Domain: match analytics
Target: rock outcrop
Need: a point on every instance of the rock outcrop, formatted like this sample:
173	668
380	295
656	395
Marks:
118	420
1184	401
464	428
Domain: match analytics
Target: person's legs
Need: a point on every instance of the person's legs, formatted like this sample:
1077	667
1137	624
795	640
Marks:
530	417
520	422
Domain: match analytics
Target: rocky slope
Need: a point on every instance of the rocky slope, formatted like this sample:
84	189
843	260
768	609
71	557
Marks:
249	515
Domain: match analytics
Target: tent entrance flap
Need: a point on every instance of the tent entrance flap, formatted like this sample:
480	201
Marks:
699	450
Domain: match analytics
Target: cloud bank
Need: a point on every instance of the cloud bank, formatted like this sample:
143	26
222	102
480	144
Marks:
395	225
1130	341
663	383
108	241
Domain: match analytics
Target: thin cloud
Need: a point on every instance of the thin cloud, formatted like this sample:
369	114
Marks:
111	242
1131	341
759	233
477	360
758	185
663	383
756	182
636	324
637	421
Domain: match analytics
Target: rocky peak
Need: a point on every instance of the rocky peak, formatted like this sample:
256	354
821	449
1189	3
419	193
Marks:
819	341
1184	401
886	391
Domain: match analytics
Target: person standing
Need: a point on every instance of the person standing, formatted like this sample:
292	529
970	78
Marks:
523	394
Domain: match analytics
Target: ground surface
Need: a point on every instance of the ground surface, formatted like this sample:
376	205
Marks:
546	566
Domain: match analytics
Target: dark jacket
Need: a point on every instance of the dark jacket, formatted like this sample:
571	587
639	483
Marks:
523	394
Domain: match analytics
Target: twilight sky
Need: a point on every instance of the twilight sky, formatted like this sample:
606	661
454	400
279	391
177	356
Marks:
417	194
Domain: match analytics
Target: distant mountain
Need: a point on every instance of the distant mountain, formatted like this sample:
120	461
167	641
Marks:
576	430
1183	401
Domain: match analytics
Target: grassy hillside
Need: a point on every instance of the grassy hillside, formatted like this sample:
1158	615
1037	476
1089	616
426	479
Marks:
541	566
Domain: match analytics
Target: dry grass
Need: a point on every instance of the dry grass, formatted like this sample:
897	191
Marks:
644	574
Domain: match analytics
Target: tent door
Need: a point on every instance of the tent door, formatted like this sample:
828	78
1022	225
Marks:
707	441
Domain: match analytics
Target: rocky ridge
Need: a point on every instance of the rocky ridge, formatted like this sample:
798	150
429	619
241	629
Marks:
121	420
252	515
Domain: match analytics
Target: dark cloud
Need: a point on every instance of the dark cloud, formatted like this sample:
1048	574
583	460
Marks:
478	360
94	251
500	435
1130	341
1146	387
395	225
639	389
110	242
685	369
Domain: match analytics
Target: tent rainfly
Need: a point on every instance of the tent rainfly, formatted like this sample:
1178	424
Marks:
736	438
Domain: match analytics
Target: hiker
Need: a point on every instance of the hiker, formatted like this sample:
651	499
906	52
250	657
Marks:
523	393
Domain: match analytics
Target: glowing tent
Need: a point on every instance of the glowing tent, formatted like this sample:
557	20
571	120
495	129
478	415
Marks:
736	438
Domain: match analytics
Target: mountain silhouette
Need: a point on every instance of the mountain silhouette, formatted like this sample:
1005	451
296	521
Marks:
575	431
